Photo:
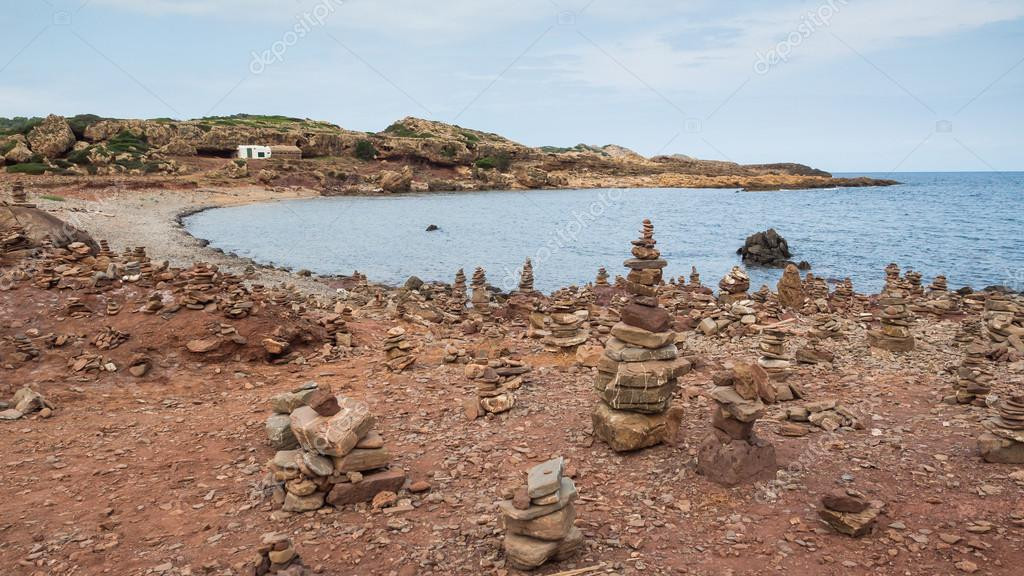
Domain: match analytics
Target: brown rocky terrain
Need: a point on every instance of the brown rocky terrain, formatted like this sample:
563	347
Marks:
409	155
149	455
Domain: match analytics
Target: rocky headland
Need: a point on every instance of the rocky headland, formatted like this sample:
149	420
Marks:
409	155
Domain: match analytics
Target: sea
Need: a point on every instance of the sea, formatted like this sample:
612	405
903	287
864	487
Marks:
968	226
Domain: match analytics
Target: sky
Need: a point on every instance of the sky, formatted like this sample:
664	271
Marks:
841	85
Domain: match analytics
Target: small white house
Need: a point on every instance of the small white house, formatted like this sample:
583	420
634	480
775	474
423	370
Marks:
253	151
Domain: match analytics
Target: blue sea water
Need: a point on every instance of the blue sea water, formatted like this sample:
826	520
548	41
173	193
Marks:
968	226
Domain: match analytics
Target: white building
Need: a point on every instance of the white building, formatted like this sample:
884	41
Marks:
253	151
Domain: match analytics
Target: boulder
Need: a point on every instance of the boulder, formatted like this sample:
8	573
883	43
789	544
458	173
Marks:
19	153
391	181
52	138
729	462
38	225
627	431
766	248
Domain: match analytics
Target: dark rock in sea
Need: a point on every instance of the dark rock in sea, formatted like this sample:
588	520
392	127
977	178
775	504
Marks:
203	242
432	227
768	248
304	272
413	283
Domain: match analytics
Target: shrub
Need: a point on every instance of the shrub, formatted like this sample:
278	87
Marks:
7	146
33	168
125	141
365	150
502	162
80	122
52	197
18	125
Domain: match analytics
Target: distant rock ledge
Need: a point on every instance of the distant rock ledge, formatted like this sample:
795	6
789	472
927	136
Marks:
858	182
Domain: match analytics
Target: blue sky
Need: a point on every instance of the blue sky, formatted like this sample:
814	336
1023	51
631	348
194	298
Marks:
842	85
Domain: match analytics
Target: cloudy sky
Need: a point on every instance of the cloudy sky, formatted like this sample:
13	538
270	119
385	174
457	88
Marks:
843	85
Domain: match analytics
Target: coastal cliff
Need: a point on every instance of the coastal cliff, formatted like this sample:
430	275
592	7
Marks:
409	155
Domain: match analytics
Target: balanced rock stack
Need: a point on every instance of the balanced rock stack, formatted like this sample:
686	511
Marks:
1003	440
974	380
892	277
327	451
481	298
842	296
496	382
199	287
939	284
913	279
732	453
565	331
773	354
894	335
969	331
18	195
637	374
825	326
526	278
733	286
277	557
397	350
457	303
602	277
848	512
790	288
539	520
694	277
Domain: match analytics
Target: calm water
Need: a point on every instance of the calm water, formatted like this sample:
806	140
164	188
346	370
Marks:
969	226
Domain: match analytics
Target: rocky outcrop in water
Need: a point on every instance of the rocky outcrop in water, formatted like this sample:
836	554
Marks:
768	248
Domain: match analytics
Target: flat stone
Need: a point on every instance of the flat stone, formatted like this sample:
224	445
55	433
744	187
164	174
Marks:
279	431
362	459
619	351
364	490
627	431
373	439
525	553
566	494
551	527
851	524
641	337
10	414
545	478
738	407
308	503
1000	450
317	464
638	264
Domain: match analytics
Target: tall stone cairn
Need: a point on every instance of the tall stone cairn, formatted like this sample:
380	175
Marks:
790	288
526	278
602	277
481	298
458	298
638	372
694	277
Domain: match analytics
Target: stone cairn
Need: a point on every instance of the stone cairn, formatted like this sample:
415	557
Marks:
276	556
733	287
602	277
938	300
1003	439
894	335
842	296
481	298
974	380
790	288
694	277
496	382
457	302
849	512
939	284
327	451
732	453
397	350
637	374
539	518
892	277
913	279
526	278
773	354
969	331
565	326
